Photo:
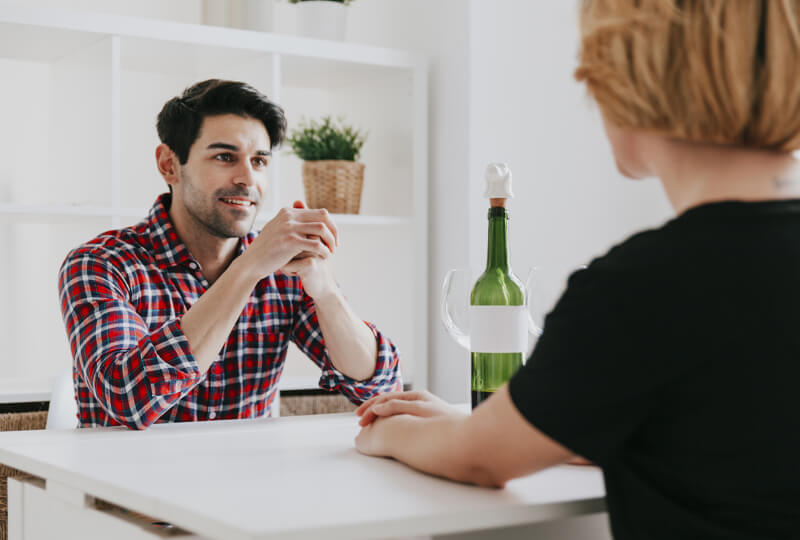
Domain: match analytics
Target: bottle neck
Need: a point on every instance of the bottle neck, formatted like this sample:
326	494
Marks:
498	239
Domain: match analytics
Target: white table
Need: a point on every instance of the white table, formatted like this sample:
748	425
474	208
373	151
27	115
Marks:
297	477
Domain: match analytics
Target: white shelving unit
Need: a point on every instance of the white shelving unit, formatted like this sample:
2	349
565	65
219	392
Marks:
80	95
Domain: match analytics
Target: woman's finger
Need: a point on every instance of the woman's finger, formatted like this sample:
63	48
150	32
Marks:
394	407
377	399
402	406
410	395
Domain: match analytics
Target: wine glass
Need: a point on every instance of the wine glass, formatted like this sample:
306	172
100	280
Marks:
455	304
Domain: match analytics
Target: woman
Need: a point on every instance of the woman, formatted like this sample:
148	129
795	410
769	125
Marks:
672	361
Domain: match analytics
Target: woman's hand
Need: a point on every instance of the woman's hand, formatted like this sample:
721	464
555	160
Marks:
416	403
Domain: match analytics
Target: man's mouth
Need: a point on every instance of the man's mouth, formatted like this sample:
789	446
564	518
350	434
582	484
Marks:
235	201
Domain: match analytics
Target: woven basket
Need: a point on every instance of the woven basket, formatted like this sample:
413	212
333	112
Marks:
15	422
317	404
334	185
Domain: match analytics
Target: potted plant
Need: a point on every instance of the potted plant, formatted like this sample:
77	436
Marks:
332	177
322	19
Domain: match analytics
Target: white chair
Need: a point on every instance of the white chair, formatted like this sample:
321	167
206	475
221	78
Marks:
63	410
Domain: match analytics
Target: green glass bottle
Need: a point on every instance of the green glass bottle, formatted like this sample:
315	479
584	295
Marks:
498	325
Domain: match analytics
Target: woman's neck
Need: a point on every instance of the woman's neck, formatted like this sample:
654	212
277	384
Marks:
694	174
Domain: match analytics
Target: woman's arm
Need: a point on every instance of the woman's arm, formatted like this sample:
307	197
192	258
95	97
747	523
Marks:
493	445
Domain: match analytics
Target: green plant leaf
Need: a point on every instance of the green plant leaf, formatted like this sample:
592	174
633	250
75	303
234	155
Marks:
326	139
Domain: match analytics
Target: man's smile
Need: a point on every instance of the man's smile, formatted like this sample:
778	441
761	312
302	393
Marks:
238	202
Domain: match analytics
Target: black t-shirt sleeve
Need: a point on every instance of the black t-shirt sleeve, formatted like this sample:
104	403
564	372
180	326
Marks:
589	382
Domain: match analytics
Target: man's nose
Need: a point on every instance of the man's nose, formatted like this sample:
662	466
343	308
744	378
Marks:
245	174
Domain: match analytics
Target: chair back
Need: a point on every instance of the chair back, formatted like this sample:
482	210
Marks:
63	411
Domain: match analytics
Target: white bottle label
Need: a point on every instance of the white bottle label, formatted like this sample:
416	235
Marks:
498	329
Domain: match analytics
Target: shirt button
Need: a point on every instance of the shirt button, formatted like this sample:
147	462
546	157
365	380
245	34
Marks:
212	415
193	266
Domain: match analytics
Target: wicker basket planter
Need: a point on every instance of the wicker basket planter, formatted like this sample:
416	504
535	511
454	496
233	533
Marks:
334	185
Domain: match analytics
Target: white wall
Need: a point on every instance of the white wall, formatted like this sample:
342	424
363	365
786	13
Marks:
440	30
502	89
527	109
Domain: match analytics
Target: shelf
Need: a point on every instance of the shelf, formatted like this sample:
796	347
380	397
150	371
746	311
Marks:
36	389
353	219
96	81
100	211
26	390
356	219
66	30
68	210
310	382
298	383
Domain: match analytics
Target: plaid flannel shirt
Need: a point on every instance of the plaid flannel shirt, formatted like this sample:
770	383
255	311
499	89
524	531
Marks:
122	297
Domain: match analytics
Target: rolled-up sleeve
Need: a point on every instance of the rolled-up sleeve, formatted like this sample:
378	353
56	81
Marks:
135	373
308	337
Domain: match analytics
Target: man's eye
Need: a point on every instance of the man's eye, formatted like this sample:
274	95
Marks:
226	157
260	162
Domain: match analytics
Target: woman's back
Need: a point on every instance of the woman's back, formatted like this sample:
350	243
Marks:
672	362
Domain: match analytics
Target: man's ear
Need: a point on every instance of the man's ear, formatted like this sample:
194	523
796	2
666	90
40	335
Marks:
168	164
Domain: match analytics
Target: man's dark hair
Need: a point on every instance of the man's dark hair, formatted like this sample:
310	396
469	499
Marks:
181	117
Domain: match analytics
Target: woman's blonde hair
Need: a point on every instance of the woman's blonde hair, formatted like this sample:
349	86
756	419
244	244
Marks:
716	71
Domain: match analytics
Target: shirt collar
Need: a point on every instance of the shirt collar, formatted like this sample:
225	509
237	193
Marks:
167	248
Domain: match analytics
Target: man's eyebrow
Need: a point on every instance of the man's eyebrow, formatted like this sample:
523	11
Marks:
234	148
224	146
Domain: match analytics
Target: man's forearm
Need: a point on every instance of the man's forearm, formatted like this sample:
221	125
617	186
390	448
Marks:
351	344
208	323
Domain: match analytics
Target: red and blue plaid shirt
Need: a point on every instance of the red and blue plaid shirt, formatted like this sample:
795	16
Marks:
122	297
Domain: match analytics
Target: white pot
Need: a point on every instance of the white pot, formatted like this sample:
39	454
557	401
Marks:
321	19
258	15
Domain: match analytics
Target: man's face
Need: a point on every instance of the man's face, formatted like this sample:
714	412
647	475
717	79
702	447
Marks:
222	183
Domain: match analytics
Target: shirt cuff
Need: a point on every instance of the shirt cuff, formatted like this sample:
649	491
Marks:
385	378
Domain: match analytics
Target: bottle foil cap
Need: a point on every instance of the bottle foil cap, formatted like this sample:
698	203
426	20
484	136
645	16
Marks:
498	182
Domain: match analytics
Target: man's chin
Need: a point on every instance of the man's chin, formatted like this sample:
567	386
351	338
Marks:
241	231
233	230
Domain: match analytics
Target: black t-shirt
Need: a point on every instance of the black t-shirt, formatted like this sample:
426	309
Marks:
673	362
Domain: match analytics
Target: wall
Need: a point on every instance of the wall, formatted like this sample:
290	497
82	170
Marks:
526	109
501	89
440	30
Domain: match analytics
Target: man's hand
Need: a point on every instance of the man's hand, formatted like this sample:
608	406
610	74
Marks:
312	270
294	233
316	276
419	403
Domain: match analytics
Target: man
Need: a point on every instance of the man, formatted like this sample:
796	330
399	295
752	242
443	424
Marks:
188	315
